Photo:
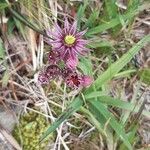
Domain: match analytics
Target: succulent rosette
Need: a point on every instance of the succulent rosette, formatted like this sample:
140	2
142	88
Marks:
68	42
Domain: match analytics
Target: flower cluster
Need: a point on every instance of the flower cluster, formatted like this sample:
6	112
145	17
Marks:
67	44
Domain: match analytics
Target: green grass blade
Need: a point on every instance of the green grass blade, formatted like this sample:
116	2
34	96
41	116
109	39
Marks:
93	120
6	74
95	94
5	78
20	27
132	5
2	53
125	73
101	43
73	107
118	65
92	18
26	22
111	8
113	122
116	102
105	26
131	136
81	12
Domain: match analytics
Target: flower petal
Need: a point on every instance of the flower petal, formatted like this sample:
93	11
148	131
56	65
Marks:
72	62
55	41
73	28
64	53
81	49
80	34
57	45
73	80
72	53
58	29
53	34
86	81
66	26
77	51
82	42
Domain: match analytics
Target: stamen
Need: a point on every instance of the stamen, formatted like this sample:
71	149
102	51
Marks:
69	39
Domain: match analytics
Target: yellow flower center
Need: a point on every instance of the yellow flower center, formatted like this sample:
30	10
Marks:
69	39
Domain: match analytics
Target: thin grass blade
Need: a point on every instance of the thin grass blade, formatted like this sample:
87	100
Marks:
113	122
118	65
116	102
73	107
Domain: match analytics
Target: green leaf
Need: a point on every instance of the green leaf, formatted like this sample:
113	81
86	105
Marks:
92	18
3	5
73	107
95	94
145	76
118	65
132	5
113	122
10	25
85	65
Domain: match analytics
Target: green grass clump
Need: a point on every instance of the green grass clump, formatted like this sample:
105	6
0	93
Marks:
29	131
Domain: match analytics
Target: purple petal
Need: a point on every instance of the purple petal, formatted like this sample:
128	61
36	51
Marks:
73	28
72	62
47	40
53	34
85	51
54	41
77	51
49	32
82	50
58	32
60	49
66	26
58	29
72	53
73	80
57	45
80	34
82	42
86	81
64	53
